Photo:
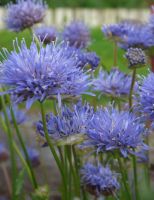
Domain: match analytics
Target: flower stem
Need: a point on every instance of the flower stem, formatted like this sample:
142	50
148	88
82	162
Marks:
115	54
135	177
132	87
23	147
12	154
52	149
124	178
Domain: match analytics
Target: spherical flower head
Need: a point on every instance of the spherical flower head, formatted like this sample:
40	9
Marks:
115	83
139	36
46	34
116	31
77	34
99	180
146	97
24	14
69	122
4	155
34	156
36	73
136	57
115	131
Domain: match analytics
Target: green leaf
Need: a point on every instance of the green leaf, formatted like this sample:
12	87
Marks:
20	182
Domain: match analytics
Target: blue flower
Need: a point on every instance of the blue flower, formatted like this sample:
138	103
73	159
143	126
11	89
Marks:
113	131
99	180
116	31
136	57
115	83
20	115
46	34
34	156
4	154
77	34
139	36
24	14
37	73
69	122
146	97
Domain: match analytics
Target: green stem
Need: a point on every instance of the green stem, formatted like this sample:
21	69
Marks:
124	178
132	87
23	148
135	177
52	149
115	54
12	154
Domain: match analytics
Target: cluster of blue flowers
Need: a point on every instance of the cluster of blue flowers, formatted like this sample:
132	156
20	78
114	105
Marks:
60	67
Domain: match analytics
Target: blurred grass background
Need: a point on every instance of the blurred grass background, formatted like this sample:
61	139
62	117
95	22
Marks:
92	3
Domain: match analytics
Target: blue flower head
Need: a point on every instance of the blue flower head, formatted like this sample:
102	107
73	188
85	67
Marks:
116	31
24	14
115	83
99	180
37	73
46	34
113	131
146	97
34	156
69	122
136	57
77	34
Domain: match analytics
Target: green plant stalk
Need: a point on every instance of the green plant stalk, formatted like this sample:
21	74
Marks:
12	154
18	152
132	87
73	170
115	54
135	177
124	178
52	149
23	148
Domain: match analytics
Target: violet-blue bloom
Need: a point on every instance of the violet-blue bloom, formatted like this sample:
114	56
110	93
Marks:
20	115
99	180
77	34
115	83
46	34
146	97
116	31
37	73
115	131
24	14
34	156
70	121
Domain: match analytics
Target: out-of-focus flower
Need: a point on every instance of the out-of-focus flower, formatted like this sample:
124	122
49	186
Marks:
116	31
99	180
115	131
115	83
46	34
24	14
69	122
139	36
136	57
20	115
34	156
146	97
38	73
77	34
4	155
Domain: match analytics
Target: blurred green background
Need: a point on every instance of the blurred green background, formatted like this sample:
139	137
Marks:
93	3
